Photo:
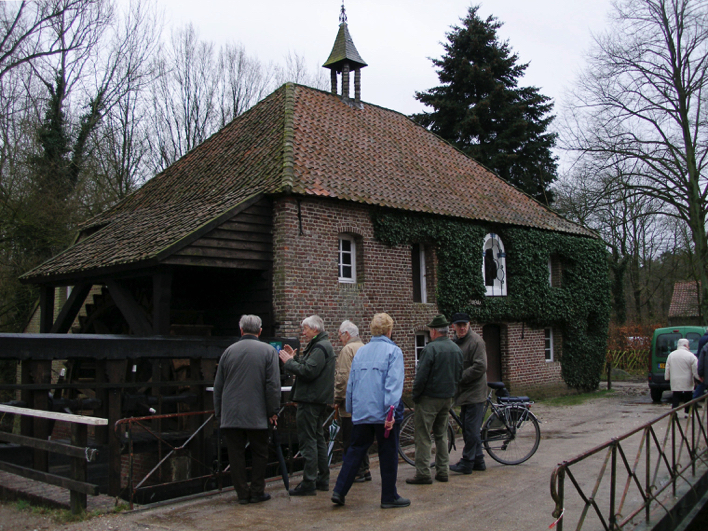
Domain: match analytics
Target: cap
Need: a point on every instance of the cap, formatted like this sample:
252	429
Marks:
460	318
438	322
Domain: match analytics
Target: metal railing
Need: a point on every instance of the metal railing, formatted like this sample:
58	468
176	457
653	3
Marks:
144	424
632	474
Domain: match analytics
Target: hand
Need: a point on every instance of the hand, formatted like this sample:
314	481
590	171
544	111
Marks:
388	425
273	420
287	353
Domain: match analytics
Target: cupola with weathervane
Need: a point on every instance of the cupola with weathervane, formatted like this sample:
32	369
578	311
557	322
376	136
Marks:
343	59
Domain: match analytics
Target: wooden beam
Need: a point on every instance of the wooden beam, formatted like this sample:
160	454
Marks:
79	472
46	308
50	446
52	479
131	310
78	419
161	302
71	308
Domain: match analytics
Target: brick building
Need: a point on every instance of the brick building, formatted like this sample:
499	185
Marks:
273	215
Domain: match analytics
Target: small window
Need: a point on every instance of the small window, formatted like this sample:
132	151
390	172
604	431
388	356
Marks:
550	271
421	339
494	266
420	283
549	344
347	259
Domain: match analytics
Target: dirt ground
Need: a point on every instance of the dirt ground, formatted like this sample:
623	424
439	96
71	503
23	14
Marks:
502	498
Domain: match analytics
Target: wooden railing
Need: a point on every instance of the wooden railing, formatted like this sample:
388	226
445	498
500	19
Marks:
78	451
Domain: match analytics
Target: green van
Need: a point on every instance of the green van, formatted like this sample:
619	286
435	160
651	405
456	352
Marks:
663	342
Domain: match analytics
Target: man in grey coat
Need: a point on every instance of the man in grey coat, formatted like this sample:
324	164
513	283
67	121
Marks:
471	393
246	399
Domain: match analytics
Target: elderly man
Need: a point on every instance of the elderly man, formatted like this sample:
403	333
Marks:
313	390
437	374
246	398
471	394
681	371
349	337
375	386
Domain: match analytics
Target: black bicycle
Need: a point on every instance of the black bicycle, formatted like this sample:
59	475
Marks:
510	435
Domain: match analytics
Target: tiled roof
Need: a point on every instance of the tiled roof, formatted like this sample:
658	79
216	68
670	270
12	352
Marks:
307	142
684	301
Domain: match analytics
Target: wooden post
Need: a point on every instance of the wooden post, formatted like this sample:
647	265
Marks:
41	374
115	370
161	301
79	437
46	309
197	446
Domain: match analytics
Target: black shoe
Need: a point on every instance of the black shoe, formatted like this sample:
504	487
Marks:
324	487
301	490
261	498
337	498
366	476
400	502
243	501
479	466
416	481
461	469
440	478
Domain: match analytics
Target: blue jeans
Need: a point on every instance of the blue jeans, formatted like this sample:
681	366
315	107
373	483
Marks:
699	390
362	438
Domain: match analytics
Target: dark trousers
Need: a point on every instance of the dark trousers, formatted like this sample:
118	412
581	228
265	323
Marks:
471	416
236	444
680	396
311	440
346	431
362	438
699	390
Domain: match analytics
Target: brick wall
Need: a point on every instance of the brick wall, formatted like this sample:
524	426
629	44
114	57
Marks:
305	282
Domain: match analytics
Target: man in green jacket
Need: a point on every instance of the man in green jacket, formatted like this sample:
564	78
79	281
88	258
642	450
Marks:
438	371
313	390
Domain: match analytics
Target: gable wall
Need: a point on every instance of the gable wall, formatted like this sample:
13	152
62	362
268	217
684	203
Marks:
305	282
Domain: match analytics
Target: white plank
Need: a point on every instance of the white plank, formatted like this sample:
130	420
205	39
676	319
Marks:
78	419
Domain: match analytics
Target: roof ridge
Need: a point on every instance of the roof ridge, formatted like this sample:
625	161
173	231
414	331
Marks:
288	138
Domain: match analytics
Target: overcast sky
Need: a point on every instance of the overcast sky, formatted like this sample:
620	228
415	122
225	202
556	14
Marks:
397	37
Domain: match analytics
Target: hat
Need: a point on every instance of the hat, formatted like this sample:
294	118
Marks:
460	318
438	322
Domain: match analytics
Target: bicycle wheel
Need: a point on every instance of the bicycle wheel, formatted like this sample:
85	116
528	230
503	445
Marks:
406	440
513	439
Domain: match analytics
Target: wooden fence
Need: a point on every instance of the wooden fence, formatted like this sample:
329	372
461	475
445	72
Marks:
78	450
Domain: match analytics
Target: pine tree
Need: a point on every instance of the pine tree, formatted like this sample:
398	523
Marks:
481	110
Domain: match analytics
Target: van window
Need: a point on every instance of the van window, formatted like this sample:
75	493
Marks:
693	337
666	343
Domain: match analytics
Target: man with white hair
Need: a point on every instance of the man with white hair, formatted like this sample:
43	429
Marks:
681	372
246	400
313	390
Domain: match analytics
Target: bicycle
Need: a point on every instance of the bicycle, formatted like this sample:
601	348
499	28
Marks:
510	435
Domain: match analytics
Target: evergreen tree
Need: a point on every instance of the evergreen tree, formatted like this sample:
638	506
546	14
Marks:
480	109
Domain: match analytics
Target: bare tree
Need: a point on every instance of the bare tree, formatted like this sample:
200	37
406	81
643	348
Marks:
295	71
641	103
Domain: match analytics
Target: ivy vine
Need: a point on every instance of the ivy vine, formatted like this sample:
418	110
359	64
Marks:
580	308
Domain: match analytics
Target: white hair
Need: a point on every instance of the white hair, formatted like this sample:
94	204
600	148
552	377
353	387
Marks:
315	322
683	343
442	329
250	324
350	328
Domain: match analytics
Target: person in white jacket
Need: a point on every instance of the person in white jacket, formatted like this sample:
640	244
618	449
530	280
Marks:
681	372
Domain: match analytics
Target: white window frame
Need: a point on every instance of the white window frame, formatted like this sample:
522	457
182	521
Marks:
550	271
423	277
418	348
548	344
498	288
340	262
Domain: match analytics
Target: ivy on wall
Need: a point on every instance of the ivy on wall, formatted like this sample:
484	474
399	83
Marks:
580	308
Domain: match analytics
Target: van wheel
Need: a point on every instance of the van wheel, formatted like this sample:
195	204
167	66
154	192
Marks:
656	395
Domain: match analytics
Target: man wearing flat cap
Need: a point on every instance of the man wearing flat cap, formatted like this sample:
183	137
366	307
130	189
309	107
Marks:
438	371
471	393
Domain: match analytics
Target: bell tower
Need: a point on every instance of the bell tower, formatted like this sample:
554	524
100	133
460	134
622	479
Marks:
343	59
